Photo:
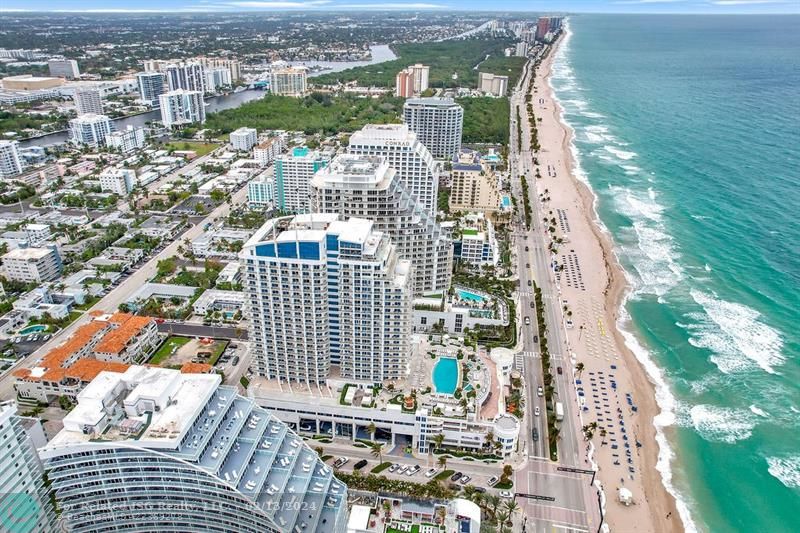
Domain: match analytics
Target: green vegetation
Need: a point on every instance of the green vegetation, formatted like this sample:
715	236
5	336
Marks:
165	350
443	475
526	202
216	352
244	381
16	122
445	58
502	65
373	483
315	113
381	467
204	279
199	148
549	386
485	120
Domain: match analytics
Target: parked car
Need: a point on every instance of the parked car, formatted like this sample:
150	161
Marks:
465	480
413	470
402	470
359	465
456	476
340	462
393	468
431	472
493	481
506	494
532	305
482	490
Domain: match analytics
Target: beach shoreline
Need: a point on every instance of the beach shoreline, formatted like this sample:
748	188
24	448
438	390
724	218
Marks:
601	300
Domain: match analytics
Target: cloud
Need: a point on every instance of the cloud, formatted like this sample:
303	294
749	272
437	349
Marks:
641	2
278	4
391	5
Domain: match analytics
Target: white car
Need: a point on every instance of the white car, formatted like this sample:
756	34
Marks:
540	391
536	411
402	470
393	468
493	481
431	472
506	494
413	470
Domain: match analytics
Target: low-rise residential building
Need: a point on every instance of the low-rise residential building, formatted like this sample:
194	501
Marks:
41	302
127	140
131	339
119	181
38	233
477	243
230	273
159	291
217	300
224	243
261	191
464	309
244	139
32	264
268	150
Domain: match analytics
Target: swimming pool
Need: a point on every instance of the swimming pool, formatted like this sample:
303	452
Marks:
506	202
32	329
445	375
466	295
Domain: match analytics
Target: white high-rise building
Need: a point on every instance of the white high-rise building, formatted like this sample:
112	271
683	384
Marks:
118	180
437	122
154	449
293	173
187	76
406	154
367	187
32	264
421	75
492	84
327	291
24	498
412	80
90	129
10	162
88	100
244	139
151	86
217	77
289	81
127	140
181	107
64	68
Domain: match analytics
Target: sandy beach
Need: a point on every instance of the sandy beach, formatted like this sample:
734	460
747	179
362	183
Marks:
617	394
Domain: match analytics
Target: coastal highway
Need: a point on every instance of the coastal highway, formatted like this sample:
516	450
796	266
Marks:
111	301
576	504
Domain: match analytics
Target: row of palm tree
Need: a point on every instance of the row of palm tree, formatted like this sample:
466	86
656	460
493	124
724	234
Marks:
499	511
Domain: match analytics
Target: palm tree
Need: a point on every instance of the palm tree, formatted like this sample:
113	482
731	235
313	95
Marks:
438	440
376	449
493	502
489	439
501	517
579	367
463	402
371	429
443	461
511	506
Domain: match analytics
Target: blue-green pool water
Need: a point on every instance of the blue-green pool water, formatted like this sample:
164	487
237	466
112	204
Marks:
445	375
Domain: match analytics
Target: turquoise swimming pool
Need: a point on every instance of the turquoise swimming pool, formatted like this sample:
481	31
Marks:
466	295
445	375
506	201
32	329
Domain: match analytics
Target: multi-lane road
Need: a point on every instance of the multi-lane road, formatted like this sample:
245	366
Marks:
575	506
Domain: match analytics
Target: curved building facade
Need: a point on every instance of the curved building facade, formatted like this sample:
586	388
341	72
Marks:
152	449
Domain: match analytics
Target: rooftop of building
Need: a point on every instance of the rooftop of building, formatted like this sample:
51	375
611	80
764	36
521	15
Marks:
428	101
164	403
378	133
355	167
27	254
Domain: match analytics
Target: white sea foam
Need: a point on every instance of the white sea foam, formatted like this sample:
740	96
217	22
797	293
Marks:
664	397
619	153
757	411
721	424
739	340
786	470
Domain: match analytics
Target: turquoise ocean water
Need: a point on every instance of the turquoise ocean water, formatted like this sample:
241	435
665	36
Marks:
688	130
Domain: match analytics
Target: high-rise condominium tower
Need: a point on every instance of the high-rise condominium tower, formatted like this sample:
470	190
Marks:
324	291
437	123
405	153
366	186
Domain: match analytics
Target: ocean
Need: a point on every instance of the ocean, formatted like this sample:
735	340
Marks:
688	131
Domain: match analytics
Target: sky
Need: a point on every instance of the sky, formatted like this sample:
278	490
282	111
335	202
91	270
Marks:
574	6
